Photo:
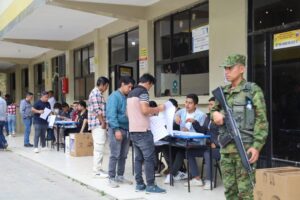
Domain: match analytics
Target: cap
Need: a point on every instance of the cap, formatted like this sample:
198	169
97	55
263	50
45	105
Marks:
234	59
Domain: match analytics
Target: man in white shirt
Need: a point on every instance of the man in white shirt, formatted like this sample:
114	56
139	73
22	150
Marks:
51	99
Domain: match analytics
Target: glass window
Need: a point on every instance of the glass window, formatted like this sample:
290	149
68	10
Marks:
163	38
85	61
83	82
274	13
79	88
190	72
181	34
117	49
90	84
133	45
77	63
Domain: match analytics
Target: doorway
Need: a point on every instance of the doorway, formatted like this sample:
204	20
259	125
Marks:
275	67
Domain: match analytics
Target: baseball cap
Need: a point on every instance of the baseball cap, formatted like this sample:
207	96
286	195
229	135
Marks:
234	59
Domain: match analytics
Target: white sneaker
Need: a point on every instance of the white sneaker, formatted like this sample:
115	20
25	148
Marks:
122	180
44	149
35	150
113	183
100	174
194	183
180	176
168	179
207	185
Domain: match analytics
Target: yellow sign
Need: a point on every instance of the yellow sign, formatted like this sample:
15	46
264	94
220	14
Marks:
287	39
143	54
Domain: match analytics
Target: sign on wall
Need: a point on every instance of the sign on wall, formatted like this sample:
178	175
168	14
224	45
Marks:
286	39
200	39
143	58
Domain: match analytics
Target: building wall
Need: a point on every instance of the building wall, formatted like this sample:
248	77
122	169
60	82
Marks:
3	85
228	34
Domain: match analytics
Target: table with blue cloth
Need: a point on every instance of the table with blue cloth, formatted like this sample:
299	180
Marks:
65	125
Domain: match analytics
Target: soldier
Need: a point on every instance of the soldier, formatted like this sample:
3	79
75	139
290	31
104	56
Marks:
249	110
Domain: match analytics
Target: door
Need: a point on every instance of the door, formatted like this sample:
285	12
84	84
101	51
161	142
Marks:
275	67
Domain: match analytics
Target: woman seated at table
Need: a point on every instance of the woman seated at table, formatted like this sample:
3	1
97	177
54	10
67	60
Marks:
183	118
82	125
207	128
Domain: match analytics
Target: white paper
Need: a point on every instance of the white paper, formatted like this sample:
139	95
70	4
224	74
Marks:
168	114
51	120
45	114
200	39
158	128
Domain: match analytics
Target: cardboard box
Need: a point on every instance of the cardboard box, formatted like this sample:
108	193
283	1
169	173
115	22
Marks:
67	145
282	183
81	144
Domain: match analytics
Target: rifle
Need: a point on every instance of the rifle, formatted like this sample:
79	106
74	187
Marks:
234	132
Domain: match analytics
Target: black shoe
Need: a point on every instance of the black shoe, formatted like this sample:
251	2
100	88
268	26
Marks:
28	145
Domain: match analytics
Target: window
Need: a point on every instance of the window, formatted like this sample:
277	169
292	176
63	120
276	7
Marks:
83	72
25	81
181	53
117	45
39	79
133	45
58	72
271	13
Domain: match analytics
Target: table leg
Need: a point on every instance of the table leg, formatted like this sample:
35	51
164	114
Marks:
188	165
211	164
57	138
171	164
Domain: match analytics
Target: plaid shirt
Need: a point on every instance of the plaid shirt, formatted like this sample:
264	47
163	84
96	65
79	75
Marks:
96	107
11	109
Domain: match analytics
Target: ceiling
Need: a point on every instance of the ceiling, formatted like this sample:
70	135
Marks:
48	22
56	23
124	2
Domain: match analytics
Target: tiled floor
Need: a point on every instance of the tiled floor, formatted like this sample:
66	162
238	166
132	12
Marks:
79	169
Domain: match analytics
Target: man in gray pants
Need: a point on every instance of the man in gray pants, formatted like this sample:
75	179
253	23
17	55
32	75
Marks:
118	131
40	125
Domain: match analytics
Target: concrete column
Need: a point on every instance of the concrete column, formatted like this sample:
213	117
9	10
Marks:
31	78
18	72
70	74
146	40
227	35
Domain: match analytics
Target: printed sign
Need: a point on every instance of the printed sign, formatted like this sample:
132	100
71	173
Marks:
286	39
200	39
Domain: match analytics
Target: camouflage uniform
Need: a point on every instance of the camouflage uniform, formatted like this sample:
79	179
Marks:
235	178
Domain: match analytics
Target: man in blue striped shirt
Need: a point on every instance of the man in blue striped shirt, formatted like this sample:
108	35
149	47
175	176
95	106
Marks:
118	131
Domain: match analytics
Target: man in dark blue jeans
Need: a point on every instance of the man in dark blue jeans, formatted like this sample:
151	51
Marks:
40	125
3	118
138	110
26	113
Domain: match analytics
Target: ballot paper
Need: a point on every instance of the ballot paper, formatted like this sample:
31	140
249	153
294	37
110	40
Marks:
45	114
162	125
51	120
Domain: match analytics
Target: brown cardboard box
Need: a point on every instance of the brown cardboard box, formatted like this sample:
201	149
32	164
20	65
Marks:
81	144
282	183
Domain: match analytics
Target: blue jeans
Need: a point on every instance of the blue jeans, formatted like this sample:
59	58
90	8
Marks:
40	133
11	120
144	153
193	153
27	123
118	153
3	141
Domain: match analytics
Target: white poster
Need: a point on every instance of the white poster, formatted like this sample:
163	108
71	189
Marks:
200	39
